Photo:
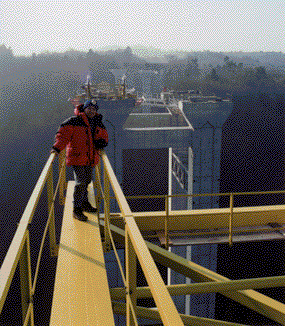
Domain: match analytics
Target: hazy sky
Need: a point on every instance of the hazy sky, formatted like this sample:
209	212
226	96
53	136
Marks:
215	25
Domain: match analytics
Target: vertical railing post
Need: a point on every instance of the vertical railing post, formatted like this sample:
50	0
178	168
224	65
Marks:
166	222
26	282
231	219
62	184
52	238
131	281
97	185
107	242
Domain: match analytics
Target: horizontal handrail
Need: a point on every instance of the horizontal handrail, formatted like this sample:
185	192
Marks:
208	287
164	303
13	255
17	245
208	195
231	205
50	215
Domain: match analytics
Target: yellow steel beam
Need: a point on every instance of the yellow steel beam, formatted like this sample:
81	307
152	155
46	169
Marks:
81	291
166	222
254	300
29	320
10	263
196	233
52	237
166	307
107	242
120	308
206	218
63	184
207	287
231	220
97	185
131	280
26	282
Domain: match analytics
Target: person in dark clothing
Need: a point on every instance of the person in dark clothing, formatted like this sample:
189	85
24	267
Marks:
83	135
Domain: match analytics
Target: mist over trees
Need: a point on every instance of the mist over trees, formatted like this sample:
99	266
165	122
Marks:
35	90
230	77
48	78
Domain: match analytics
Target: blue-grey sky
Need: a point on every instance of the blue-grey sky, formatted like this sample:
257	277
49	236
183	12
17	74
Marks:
190	25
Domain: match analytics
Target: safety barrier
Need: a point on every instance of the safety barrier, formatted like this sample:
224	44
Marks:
19	250
135	247
231	195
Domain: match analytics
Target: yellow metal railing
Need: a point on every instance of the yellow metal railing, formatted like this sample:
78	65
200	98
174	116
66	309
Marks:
231	207
135	246
19	250
167	210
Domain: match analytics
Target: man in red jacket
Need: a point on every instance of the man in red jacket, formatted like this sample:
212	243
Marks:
83	135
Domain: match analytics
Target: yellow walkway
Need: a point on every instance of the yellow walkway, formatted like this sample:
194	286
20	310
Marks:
81	293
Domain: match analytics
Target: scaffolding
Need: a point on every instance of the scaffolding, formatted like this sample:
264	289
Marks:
81	271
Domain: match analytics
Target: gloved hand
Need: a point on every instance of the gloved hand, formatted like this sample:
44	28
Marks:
54	151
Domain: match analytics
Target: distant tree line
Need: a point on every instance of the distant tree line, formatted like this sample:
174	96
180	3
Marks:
35	89
50	77
230	78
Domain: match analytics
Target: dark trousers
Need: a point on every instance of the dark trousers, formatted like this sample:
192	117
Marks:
82	177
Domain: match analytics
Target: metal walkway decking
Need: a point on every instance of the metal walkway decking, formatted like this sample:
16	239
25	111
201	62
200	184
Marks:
81	291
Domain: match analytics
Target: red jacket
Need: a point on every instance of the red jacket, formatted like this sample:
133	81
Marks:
76	135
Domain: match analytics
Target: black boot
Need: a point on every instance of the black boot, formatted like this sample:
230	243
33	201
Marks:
87	207
78	214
